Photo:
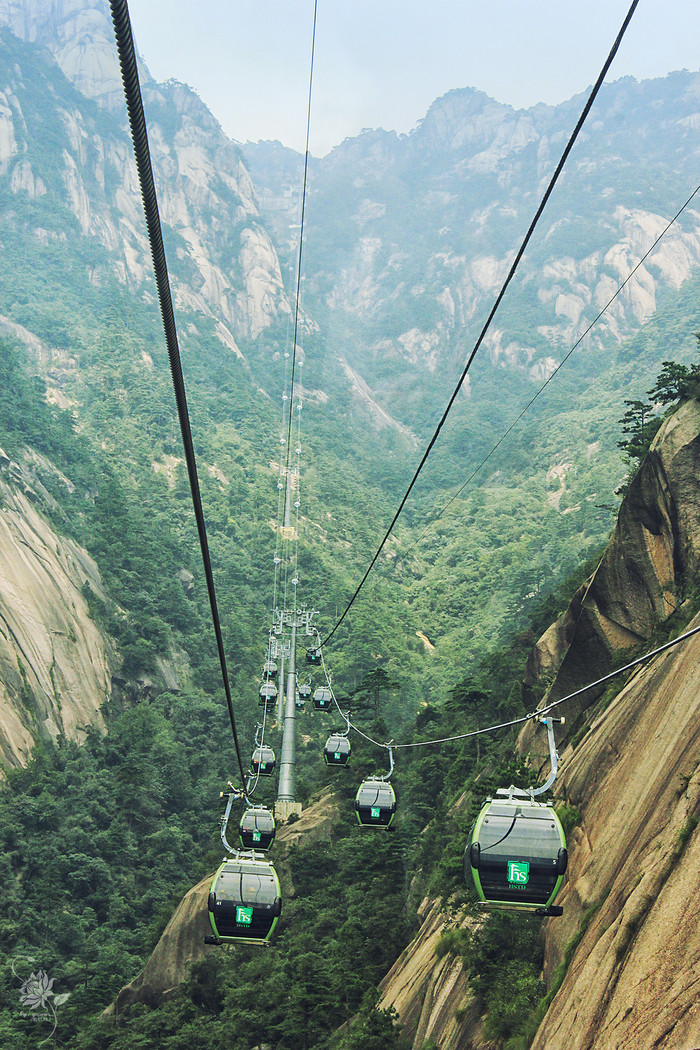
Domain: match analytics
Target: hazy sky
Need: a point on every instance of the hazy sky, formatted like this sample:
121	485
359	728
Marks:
381	63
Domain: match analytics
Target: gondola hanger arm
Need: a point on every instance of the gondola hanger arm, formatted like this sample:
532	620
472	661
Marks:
553	756
389	748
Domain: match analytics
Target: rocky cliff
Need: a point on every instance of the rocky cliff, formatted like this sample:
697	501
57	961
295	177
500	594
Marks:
430	222
224	265
648	570
631	895
633	888
431	995
54	661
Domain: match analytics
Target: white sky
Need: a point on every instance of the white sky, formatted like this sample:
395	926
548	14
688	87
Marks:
381	63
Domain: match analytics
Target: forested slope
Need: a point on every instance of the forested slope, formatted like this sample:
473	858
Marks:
100	841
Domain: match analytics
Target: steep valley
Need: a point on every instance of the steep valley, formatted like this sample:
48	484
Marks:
629	933
532	557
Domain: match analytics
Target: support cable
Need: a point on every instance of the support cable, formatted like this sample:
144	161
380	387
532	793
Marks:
252	785
511	273
297	297
540	712
297	494
297	308
280	479
139	134
289	553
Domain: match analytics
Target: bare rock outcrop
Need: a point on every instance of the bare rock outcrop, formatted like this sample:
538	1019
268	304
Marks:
632	890
80	37
643	577
428	992
633	885
54	661
205	192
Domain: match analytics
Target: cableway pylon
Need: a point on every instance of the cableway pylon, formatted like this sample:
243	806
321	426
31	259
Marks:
289	622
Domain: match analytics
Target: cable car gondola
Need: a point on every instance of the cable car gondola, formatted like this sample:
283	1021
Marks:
298	701
264	761
336	751
516	857
375	803
244	901
313	656
269	670
268	693
305	691
323	698
257	828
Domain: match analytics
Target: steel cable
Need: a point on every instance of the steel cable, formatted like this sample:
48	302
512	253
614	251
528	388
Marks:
511	273
139	135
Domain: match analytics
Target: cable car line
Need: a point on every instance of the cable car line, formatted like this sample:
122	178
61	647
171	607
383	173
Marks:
139	134
539	713
301	234
280	489
549	379
511	273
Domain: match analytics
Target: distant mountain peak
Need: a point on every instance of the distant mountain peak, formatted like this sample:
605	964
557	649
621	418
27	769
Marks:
79	36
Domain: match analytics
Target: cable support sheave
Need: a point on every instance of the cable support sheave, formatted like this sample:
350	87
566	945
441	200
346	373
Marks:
511	273
549	379
139	134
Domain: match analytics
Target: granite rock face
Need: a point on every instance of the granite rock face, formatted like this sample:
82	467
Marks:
55	663
427	992
633	884
205	194
644	576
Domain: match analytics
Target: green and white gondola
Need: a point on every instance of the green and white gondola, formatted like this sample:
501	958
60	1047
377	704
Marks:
244	901
375	804
263	761
336	751
516	857
257	828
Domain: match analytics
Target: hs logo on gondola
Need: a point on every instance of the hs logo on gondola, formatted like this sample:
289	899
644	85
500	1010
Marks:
518	872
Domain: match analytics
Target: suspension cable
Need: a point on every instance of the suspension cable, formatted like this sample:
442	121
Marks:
549	379
280	479
139	134
511	273
539	712
297	297
297	495
252	782
297	310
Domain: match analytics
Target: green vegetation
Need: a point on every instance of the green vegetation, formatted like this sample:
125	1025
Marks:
99	841
689	826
